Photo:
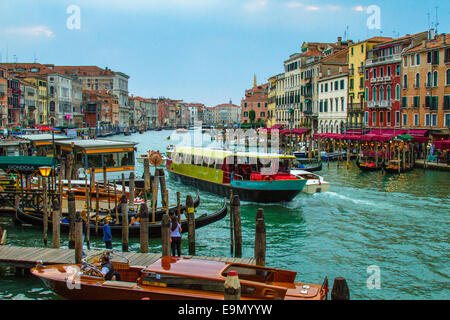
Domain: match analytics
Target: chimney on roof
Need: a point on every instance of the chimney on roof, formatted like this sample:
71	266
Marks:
339	40
424	43
444	38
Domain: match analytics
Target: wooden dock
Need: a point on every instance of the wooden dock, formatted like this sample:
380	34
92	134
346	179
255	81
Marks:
26	257
432	165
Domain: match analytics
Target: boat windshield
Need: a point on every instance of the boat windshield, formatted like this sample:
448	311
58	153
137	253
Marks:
251	273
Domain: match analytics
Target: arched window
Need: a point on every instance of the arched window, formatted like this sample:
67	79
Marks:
381	93
417	80
331	128
374	93
397	92
448	77
405	81
435	78
367	93
429	79
388	93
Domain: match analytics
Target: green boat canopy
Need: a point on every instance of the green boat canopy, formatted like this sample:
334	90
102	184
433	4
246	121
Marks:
403	137
25	164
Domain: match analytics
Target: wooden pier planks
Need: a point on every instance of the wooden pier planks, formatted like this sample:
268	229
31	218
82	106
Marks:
26	257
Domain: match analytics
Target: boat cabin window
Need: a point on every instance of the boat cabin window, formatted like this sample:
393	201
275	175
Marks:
110	160
251	273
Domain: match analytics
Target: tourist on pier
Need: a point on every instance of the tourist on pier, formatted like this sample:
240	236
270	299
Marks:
107	236
175	236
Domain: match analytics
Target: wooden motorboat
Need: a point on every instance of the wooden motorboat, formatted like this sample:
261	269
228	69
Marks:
315	183
173	278
202	220
369	166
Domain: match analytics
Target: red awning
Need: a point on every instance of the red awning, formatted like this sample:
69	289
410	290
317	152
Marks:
277	126
294	131
393	132
443	144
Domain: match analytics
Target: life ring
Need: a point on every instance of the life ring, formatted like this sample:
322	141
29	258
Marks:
268	178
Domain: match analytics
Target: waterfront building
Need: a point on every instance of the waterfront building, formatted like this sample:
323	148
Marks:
14	94
383	81
292	91
227	114
280	113
271	101
255	100
101	108
332	97
426	92
28	115
42	103
3	97
357	55
98	79
145	112
333	60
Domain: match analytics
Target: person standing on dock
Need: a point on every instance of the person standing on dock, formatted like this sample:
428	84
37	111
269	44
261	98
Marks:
175	236
107	236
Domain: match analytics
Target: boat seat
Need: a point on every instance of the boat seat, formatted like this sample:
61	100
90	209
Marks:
120	265
120	284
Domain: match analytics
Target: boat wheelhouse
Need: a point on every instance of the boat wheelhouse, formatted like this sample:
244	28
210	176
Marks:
253	176
116	156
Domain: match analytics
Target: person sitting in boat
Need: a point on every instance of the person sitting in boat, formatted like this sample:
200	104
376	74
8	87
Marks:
108	269
124	160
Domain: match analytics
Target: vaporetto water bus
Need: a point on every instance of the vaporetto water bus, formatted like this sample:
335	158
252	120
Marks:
254	176
116	156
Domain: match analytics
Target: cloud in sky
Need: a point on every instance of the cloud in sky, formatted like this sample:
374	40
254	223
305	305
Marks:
359	8
255	5
32	31
312	8
294	4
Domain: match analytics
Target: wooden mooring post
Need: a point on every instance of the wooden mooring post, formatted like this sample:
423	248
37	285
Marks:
72	210
191	224
146	177
131	190
231	223
165	235
143	234
154	194
56	224
124	209
232	286
78	238
237	226
162	182
260	238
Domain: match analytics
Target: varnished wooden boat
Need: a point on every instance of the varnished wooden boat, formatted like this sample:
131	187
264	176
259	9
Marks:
134	230
369	168
176	278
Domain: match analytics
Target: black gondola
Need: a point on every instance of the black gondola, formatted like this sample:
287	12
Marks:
134	230
394	170
307	164
363	167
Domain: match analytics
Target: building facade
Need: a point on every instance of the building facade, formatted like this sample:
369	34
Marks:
333	103
3	97
256	101
383	81
425	100
357	55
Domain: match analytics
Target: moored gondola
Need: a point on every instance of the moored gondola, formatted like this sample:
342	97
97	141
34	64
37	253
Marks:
134	229
369	166
392	167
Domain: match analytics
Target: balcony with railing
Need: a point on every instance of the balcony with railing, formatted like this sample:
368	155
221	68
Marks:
379	104
383	60
351	72
361	69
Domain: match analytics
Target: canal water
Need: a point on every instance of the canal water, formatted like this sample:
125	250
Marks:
388	235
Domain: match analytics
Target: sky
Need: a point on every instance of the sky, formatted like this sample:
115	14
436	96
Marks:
204	51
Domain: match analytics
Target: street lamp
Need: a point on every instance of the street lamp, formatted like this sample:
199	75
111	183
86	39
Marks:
45	172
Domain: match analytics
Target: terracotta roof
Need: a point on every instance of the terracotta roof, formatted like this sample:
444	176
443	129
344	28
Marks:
226	105
432	44
407	37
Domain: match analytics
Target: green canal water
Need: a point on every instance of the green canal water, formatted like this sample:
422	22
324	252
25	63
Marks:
398	223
